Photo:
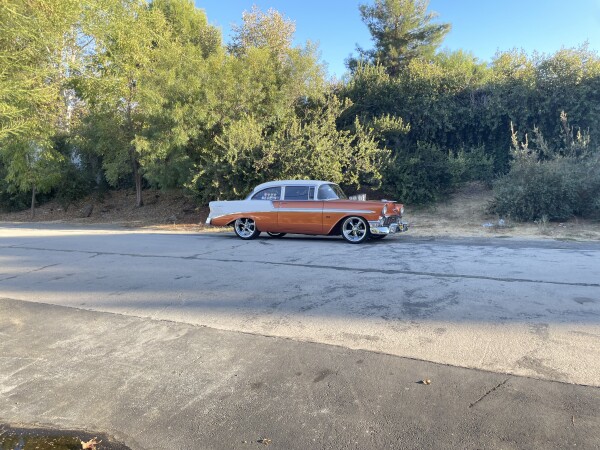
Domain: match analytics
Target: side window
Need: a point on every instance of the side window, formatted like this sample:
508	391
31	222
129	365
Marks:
326	192
296	192
273	193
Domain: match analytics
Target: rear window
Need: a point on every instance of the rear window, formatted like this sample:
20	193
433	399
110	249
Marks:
330	192
273	193
297	193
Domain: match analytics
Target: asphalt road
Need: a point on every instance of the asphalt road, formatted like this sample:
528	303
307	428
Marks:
168	340
527	308
165	385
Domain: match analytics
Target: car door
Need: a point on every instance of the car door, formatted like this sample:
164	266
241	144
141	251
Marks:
298	211
266	218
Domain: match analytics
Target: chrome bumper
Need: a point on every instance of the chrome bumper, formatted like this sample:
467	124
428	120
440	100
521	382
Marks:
393	228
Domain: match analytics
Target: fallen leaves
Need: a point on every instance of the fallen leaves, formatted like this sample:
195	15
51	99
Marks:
90	445
264	441
426	381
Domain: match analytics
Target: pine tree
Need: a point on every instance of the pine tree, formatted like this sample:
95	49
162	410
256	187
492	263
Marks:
401	30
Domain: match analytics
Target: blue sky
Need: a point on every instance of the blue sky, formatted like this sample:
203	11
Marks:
479	26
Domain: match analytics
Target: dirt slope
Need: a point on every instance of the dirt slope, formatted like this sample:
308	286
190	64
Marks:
463	214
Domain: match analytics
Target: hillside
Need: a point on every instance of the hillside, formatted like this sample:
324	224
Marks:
462	214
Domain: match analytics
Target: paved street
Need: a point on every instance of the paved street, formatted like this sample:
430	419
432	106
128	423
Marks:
528	308
203	341
166	385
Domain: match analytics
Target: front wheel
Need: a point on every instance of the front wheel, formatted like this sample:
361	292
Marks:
246	228
355	230
276	235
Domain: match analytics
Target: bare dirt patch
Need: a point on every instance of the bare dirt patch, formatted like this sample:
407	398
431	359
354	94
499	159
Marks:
465	214
462	214
163	210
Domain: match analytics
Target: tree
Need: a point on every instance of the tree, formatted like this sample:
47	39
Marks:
273	116
31	168
262	30
128	36
303	145
189	25
38	44
184	108
402	30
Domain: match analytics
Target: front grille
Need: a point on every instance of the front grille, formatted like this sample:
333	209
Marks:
390	220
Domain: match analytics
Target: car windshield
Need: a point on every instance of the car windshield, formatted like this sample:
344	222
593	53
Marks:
330	192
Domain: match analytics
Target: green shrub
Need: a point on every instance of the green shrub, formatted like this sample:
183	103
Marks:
557	189
471	165
588	188
420	175
77	173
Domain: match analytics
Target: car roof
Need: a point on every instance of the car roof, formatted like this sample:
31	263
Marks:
290	183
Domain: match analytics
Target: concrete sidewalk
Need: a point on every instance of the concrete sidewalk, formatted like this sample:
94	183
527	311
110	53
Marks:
158	385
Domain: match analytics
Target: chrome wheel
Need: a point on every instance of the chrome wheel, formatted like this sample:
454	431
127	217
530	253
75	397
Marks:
355	230
276	235
246	228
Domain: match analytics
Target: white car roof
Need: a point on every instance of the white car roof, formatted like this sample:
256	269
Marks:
290	183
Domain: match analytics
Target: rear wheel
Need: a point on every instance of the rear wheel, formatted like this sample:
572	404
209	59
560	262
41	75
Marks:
276	235
355	230
246	228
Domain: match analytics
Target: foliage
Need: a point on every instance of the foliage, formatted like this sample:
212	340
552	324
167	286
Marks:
77	172
262	30
144	92
189	25
552	183
456	102
534	189
127	36
306	145
30	167
34	37
10	200
419	175
471	165
38	47
402	30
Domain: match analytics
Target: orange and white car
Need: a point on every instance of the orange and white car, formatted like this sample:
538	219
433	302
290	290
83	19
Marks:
307	207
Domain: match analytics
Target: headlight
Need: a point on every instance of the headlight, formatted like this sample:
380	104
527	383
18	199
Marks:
384	210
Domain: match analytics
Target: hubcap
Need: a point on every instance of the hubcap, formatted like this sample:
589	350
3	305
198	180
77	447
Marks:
245	227
354	229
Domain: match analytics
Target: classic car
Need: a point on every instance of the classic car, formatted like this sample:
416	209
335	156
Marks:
307	207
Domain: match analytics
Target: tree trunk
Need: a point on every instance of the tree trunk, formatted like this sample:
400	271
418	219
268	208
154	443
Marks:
138	189
137	176
33	202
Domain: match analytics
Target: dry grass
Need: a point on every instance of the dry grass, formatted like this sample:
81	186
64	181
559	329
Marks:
463	214
162	210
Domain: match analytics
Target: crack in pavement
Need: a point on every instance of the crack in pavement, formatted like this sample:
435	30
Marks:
28	272
499	385
198	257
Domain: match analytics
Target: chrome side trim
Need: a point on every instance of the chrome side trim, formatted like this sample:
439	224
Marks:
342	211
350	211
238	212
300	210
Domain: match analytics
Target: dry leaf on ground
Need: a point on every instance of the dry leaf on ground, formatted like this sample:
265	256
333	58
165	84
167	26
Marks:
90	445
